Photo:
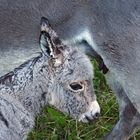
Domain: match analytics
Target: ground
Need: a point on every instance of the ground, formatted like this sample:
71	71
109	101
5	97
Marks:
53	125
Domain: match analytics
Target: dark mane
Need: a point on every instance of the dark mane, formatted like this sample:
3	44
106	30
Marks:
34	59
7	78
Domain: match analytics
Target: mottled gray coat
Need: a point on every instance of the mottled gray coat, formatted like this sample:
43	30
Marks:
60	76
111	28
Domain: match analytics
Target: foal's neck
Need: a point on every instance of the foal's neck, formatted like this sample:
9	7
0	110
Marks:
28	83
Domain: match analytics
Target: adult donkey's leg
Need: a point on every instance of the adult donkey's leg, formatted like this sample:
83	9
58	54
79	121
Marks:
129	118
129	121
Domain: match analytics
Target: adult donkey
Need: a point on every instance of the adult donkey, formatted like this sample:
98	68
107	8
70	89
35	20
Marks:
110	28
60	76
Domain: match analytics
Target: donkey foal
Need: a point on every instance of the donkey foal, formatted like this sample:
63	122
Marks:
60	76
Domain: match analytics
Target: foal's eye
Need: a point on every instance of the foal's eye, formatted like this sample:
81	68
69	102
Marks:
76	86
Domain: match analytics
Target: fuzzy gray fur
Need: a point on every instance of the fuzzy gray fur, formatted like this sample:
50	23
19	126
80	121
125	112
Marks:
46	80
111	28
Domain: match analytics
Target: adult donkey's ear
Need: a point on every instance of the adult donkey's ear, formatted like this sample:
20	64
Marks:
50	43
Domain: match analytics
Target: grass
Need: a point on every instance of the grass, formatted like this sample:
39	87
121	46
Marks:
53	125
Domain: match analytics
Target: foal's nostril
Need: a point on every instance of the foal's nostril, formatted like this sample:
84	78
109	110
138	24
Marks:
97	115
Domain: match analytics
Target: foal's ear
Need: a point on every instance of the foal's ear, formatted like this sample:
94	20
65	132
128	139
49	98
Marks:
49	41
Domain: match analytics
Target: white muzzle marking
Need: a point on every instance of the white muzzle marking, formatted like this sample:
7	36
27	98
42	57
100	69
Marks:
91	113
